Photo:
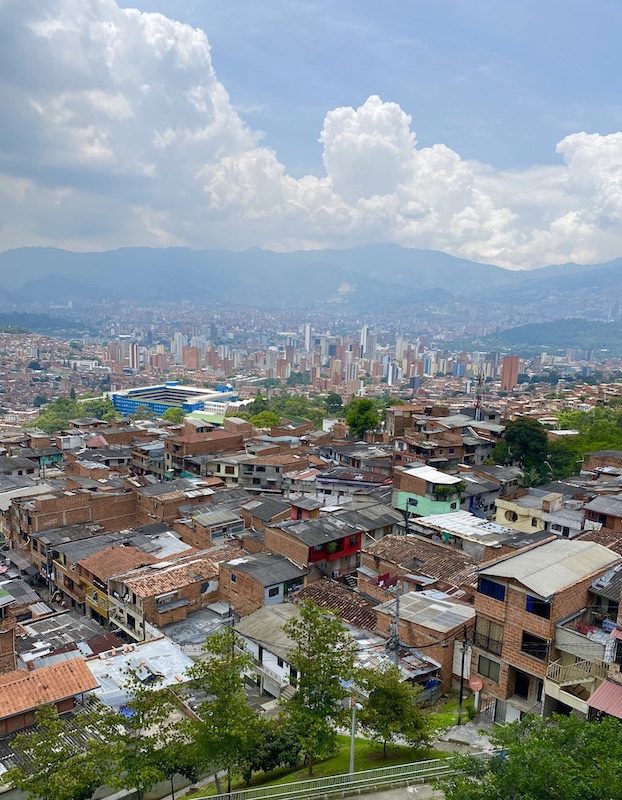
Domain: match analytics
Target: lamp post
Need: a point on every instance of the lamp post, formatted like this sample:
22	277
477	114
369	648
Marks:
355	707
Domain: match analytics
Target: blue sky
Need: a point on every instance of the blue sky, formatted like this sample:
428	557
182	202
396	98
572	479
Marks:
498	81
491	130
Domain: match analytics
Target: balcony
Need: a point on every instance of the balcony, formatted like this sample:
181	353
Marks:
572	684
582	671
583	636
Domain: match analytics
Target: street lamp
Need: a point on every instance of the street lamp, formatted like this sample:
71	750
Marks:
355	707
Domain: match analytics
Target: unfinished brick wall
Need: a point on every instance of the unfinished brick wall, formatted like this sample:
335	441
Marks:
278	541
245	594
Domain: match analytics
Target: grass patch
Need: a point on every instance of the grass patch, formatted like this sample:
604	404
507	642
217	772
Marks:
367	755
443	714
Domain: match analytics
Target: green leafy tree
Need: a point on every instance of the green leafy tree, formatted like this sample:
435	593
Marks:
333	403
99	408
361	416
265	419
559	758
174	415
62	759
226	729
144	732
391	711
323	655
40	400
272	744
525	441
299	379
56	415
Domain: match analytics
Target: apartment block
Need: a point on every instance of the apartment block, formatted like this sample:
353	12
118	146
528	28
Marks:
523	604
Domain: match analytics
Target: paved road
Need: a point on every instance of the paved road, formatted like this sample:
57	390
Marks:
405	793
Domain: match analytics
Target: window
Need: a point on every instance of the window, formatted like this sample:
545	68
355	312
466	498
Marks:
534	646
489	635
260	469
204	587
234	577
491	589
279	661
511	516
453	506
353	540
273	591
229	471
488	668
537	606
534	522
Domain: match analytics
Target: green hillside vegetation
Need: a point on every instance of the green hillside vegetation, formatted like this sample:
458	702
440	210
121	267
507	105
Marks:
556	335
525	440
56	415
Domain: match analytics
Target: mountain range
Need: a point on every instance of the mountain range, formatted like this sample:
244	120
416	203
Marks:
378	276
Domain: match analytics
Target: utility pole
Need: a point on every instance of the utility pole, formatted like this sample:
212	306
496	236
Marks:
461	696
395	628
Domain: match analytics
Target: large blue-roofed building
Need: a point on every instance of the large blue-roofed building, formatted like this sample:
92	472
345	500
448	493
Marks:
173	395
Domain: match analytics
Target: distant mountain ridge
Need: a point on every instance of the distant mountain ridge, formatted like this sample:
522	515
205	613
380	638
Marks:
367	276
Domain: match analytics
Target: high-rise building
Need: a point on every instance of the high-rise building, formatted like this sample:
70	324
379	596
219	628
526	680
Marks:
510	368
307	336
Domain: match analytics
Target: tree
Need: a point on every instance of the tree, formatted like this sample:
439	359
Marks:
391	711
62	759
333	403
40	400
272	744
98	408
174	415
226	728
146	732
548	759
323	655
265	419
361	416
524	440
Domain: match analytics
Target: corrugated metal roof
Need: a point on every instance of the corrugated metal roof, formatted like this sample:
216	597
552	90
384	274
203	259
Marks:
432	475
429	611
608	699
554	566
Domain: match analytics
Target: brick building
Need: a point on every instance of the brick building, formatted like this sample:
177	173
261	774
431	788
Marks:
22	692
431	621
522	603
415	563
263	579
605	510
167	592
178	448
327	546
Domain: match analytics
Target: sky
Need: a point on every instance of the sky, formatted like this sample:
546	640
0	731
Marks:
487	129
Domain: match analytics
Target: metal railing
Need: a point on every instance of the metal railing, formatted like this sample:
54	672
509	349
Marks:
355	783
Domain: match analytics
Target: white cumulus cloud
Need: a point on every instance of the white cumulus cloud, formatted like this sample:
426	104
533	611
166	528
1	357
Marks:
116	130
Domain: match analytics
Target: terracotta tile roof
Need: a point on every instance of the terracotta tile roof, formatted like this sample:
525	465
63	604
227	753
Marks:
610	539
204	566
423	557
348	605
115	560
25	690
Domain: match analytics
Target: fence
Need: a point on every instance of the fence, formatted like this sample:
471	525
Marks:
368	780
